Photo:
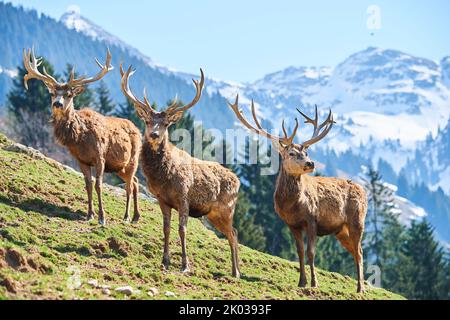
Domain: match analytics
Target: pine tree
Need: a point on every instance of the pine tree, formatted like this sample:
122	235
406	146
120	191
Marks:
380	213
29	111
249	233
84	100
105	105
393	236
423	269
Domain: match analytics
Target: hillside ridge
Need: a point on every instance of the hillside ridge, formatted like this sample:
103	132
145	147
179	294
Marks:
49	251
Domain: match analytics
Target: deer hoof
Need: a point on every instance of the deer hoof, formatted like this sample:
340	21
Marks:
166	264
185	270
90	216
135	219
185	267
102	222
126	220
236	274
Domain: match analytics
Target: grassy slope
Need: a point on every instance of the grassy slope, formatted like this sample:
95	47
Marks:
43	234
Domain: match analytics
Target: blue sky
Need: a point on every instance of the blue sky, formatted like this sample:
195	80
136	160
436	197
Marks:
244	40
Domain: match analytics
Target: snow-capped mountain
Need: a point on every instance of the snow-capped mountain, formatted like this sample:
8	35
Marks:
73	19
431	162
385	101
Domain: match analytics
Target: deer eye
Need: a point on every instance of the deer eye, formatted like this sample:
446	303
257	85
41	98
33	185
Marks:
292	154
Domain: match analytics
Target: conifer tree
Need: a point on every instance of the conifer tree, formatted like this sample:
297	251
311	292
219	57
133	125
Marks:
381	212
105	105
29	111
249	233
423	269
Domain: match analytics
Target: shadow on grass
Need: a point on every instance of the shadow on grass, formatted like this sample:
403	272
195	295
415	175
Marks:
82	251
219	275
47	209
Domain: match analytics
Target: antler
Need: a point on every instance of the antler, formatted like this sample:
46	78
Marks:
259	130
84	81
145	105
174	108
31	64
318	134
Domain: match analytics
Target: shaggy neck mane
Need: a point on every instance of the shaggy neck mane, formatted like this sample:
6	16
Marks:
159	160
289	187
68	129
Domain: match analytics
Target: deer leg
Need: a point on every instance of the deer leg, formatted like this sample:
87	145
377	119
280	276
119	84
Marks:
182	228
167	215
298	235
130	185
129	190
225	226
136	200
100	169
312	234
356	236
352	243
86	170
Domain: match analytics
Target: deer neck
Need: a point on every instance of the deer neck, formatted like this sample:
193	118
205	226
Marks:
290	188
158	161
67	128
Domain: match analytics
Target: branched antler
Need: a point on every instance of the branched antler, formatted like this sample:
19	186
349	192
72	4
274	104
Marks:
104	69
318	134
146	106
286	140
175	108
143	106
32	63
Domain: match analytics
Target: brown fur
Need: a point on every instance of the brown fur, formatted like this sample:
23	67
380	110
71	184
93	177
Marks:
194	188
319	206
106	143
191	186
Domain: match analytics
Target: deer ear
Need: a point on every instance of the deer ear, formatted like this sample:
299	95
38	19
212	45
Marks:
276	144
176	117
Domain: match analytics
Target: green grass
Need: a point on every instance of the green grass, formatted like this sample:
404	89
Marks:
44	240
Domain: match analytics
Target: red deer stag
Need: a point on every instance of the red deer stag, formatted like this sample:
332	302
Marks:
193	187
316	205
108	144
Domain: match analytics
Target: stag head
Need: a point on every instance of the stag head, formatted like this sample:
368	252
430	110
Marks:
157	123
62	93
295	156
